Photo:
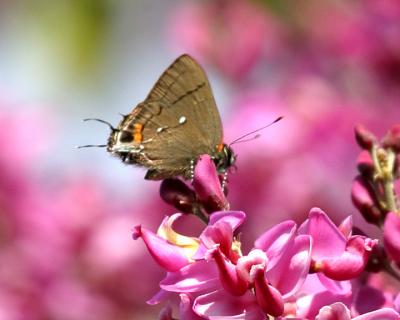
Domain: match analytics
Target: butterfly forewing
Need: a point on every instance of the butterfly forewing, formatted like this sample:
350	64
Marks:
179	120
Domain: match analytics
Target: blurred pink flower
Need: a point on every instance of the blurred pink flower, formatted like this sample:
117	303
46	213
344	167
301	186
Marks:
232	35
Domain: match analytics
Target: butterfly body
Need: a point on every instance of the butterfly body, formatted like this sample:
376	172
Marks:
173	126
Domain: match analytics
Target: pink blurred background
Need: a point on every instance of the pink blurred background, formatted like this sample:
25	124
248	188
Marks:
65	214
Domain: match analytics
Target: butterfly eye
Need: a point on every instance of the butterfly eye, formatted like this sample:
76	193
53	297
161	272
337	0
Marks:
125	136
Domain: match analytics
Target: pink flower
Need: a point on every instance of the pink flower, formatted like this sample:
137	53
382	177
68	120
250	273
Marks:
335	255
198	27
225	282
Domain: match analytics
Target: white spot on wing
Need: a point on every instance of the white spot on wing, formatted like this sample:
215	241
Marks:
182	120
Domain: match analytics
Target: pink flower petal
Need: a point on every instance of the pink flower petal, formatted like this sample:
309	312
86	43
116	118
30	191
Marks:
269	299
328	241
350	263
221	305
207	185
346	227
234	218
336	311
185	308
168	256
231	280
290	272
275	240
200	275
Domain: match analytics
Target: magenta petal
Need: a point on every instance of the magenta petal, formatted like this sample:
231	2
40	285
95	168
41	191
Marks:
336	311
337	287
168	256
391	236
382	314
308	306
207	185
231	280
185	308
275	240
200	275
352	262
158	297
222	305
233	218
290	272
328	241
346	227
268	298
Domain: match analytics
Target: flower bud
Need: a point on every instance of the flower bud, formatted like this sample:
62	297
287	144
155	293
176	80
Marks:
207	186
175	192
364	138
391	236
365	165
364	200
392	139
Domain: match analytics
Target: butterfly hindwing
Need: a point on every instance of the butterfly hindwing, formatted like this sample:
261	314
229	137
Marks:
177	122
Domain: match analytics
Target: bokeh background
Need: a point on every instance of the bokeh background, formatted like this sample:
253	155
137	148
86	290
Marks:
65	214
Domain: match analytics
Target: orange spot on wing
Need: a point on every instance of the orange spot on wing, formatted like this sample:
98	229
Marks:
220	147
137	132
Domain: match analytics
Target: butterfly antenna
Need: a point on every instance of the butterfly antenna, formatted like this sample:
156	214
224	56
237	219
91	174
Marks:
99	120
92	145
240	139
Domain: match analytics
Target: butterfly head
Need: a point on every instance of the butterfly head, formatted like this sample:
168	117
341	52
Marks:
224	157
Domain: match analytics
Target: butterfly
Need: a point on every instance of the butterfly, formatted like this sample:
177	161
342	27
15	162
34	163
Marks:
176	123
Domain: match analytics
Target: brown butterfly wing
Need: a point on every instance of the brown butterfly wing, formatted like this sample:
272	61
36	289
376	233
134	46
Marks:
180	120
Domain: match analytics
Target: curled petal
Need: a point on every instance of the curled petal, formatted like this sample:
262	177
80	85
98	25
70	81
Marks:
165	231
245	264
391	236
269	299
168	256
230	279
207	185
351	262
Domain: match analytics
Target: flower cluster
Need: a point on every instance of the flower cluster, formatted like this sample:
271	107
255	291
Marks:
375	189
315	270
